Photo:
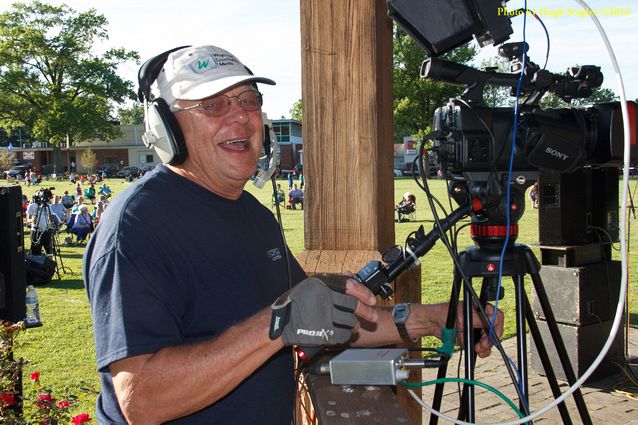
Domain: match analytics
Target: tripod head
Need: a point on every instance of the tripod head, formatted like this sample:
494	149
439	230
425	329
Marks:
490	195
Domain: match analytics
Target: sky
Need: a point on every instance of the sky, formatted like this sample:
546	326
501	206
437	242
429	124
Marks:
265	36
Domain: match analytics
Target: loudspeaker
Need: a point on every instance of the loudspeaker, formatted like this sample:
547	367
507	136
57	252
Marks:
578	208
605	203
565	208
580	295
161	129
12	264
583	346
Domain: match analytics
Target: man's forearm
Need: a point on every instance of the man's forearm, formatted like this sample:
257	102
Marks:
177	381
423	321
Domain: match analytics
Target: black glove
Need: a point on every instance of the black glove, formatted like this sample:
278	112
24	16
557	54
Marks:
313	314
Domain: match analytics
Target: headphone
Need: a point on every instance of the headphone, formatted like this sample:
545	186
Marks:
163	133
161	130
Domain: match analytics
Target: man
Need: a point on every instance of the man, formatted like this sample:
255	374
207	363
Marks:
67	200
181	304
105	190
295	196
59	209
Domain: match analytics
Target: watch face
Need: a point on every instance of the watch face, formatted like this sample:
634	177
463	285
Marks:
400	312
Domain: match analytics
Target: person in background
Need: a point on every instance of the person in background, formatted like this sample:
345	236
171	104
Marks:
78	203
89	193
279	195
43	225
101	205
406	206
295	197
191	324
290	181
533	194
105	190
67	200
59	209
83	224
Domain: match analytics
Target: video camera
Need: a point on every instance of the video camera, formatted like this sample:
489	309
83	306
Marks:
469	136
43	196
473	142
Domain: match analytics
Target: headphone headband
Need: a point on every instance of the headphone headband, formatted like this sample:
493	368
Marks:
149	71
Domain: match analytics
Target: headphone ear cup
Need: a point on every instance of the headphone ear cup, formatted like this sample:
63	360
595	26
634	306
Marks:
165	134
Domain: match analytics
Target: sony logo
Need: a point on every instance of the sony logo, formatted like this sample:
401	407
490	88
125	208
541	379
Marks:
557	154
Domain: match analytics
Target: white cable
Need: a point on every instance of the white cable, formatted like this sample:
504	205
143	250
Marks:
623	249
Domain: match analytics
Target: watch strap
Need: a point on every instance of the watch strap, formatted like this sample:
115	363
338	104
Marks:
403	332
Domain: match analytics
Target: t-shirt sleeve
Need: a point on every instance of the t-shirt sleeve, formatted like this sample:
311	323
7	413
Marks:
135	309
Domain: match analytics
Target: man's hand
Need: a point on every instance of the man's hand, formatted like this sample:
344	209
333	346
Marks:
483	346
321	310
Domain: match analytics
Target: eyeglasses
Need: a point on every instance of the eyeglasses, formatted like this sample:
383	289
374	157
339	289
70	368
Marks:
218	106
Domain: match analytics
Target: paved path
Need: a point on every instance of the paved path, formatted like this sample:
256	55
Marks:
605	405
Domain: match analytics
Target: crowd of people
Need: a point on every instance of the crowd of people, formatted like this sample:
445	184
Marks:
47	214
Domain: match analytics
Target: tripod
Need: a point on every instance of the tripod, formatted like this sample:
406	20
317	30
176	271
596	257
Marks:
519	260
45	234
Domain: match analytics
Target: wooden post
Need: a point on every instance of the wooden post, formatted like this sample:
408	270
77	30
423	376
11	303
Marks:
348	140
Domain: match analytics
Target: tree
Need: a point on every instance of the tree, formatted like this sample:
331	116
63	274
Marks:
51	82
296	112
415	98
131	116
599	95
495	96
7	159
88	159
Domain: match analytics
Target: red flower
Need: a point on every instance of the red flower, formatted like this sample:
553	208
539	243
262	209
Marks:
44	401
82	418
8	399
35	376
63	404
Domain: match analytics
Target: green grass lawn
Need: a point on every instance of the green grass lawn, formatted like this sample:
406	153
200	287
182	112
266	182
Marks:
62	350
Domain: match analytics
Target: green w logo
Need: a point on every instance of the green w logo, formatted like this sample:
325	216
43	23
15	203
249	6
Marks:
202	64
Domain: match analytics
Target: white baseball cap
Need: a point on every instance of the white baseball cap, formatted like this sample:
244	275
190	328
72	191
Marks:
195	73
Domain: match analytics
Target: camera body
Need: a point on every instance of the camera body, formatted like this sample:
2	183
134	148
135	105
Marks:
473	142
43	196
560	140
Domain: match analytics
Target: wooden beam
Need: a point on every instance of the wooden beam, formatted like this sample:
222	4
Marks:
348	141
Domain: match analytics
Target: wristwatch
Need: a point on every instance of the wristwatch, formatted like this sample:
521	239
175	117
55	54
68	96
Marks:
400	314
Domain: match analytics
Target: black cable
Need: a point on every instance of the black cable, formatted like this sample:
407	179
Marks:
416	174
289	273
466	281
281	229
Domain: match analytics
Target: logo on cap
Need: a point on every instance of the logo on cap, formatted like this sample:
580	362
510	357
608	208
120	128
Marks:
203	64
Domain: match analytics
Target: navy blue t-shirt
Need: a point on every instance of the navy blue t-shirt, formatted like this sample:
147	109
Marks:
171	263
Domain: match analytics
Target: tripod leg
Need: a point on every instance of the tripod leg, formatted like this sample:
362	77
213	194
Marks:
484	297
519	288
450	322
467	409
558	340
